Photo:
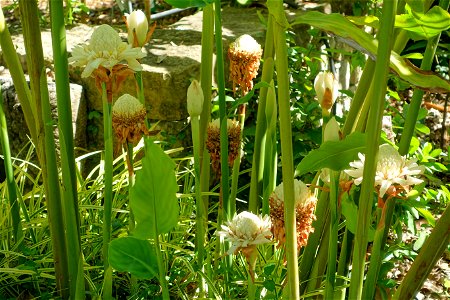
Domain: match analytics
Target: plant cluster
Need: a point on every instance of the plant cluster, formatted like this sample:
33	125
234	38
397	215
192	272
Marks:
329	227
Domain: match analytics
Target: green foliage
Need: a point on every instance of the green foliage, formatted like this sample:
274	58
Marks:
189	3
153	197
136	256
333	155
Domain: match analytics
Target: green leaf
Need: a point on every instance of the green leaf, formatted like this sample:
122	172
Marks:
335	155
427	215
413	55
362	41
188	3
424	26
155	187
138	257
350	212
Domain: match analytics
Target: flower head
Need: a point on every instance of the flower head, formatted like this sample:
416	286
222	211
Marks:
326	89
105	49
128	119
194	99
393	170
246	230
245	55
137	25
305	204
213	142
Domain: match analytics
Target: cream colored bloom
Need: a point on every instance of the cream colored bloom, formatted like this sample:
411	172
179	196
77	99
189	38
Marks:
246	43
194	99
326	89
137	24
128	119
392	169
301	192
106	49
246	229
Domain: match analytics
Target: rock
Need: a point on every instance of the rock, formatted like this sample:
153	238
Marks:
19	135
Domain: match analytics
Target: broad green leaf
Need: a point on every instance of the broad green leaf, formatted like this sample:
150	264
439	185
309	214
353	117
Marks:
333	155
427	215
350	212
188	3
424	26
362	41
129	254
155	188
413	55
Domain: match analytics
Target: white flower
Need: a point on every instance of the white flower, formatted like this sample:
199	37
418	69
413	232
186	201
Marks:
105	48
392	169
194	99
246	229
331	132
246	43
301	191
326	89
127	105
230	123
137	22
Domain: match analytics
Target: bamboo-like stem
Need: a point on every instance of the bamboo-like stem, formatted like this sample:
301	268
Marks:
270	151
258	165
21	87
373	132
361	122
200	209
45	144
429	254
416	100
377	249
309	252
358	98
10	183
68	167
333	242
281	63
342	271
108	181
206	84
237	161
222	113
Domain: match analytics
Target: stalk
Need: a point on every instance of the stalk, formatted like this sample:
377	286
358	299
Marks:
430	253
378	248
108	179
373	136
279	29
258	162
200	209
237	161
222	113
343	264
416	100
333	242
18	77
269	166
206	83
45	144
68	167
359	97
10	182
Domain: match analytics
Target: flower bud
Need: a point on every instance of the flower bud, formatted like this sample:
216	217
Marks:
326	89
137	25
195	99
331	132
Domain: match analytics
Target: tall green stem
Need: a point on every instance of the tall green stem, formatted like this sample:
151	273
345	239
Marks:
222	113
206	83
68	167
200	209
284	108
237	161
45	144
333	242
373	132
378	248
108	180
256	178
11	184
416	100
